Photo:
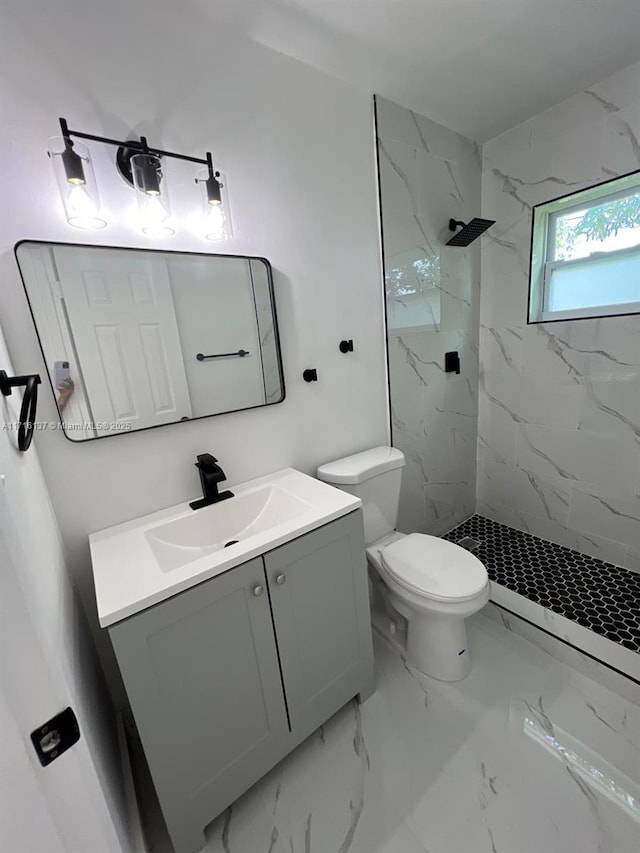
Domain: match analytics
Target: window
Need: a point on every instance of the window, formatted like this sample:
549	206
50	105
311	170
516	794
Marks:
585	253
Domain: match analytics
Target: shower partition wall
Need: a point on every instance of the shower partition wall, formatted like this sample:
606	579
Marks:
429	175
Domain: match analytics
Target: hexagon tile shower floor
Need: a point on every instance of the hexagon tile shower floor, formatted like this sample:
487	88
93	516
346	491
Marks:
595	594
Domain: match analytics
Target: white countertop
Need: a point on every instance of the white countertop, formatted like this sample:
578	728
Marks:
128	578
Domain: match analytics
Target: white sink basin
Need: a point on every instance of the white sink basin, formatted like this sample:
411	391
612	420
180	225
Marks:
142	562
214	527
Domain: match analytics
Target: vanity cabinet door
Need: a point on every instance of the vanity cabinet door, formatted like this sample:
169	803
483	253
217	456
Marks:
320	602
201	671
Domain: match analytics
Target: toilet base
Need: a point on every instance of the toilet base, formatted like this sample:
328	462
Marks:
433	634
438	646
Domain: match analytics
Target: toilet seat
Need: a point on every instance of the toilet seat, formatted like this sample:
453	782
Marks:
433	567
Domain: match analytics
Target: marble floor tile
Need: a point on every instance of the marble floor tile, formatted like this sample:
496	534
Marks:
526	755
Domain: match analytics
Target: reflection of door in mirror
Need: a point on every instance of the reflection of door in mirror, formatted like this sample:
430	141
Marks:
150	337
120	309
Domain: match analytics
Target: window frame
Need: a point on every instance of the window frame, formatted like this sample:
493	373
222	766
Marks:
541	262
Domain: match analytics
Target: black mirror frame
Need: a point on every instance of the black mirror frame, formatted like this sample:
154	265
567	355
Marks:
272	300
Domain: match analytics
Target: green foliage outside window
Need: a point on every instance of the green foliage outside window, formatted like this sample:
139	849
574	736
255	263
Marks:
597	223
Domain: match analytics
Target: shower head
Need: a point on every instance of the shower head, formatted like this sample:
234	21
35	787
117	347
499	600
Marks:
469	232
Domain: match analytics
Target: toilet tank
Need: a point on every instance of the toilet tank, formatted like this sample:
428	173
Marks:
375	477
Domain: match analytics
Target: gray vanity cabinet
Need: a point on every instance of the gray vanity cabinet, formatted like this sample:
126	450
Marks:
229	676
320	603
202	675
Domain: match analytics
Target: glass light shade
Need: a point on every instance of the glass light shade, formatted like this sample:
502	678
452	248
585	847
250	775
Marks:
151	192
216	216
76	182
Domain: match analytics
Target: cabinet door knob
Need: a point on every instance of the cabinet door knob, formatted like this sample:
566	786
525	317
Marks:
280	579
258	590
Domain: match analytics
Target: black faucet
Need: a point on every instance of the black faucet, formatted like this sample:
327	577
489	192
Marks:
210	475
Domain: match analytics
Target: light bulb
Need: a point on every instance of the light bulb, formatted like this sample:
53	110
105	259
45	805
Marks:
154	218
214	222
82	209
153	201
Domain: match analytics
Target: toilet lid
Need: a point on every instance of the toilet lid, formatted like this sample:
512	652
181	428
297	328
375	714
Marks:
434	566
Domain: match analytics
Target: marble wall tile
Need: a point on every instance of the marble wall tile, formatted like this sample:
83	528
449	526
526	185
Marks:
406	239
551	401
429	174
508	257
632	558
611	405
605	514
398	170
440	141
497	430
563	403
623	126
599	460
620	90
446	505
458	304
504	303
547	351
522	491
501	349
397	122
610	345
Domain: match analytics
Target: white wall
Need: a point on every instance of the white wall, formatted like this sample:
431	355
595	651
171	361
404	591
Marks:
48	662
559	423
429	174
297	147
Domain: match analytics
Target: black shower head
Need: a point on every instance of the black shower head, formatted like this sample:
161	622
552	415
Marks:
469	231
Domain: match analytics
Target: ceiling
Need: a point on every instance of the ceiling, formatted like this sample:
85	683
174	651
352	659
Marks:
477	67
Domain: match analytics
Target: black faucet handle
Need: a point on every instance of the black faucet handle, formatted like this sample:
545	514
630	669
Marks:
210	475
205	460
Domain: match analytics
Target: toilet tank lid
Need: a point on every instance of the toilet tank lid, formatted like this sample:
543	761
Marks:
361	466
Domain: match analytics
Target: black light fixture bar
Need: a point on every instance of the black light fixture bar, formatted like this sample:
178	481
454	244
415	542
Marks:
67	132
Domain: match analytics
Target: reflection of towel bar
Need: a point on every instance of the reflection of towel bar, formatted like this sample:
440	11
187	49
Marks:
240	354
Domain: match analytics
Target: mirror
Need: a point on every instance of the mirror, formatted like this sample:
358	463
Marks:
139	338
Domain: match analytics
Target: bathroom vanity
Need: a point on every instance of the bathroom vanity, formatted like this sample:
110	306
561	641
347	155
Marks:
231	656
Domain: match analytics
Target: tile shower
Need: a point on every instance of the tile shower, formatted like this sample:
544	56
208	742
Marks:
559	406
541	430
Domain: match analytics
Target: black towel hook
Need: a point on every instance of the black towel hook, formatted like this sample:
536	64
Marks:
29	404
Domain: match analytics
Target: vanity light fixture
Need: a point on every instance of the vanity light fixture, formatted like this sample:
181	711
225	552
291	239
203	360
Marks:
141	167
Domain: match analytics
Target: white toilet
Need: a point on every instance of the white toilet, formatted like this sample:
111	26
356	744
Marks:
434	584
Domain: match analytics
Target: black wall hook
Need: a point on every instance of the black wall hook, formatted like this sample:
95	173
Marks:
346	346
310	374
29	404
